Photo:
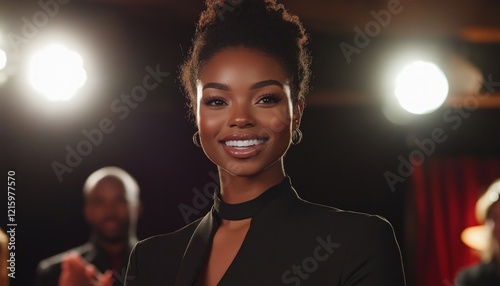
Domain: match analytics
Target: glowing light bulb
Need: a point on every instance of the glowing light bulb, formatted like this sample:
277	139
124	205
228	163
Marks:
57	72
421	87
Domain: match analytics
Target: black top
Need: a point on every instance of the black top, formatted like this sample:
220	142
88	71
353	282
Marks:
482	274
290	242
49	270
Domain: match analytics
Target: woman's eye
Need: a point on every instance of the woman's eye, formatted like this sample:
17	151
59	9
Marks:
214	101
269	98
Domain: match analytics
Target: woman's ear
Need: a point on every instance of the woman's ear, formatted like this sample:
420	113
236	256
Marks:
298	109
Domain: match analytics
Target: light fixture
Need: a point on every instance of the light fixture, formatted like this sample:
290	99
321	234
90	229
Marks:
57	72
421	87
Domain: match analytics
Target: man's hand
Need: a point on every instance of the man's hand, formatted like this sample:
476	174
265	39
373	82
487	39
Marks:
78	272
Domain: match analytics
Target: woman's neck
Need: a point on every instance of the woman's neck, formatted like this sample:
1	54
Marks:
238	189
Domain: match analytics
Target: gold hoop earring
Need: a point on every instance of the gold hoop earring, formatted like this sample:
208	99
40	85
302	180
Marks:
196	139
296	136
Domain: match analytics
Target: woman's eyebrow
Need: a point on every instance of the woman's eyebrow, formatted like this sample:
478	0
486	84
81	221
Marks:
266	83
216	85
256	85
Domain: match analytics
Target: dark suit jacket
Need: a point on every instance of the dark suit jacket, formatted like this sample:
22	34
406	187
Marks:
290	242
483	274
49	270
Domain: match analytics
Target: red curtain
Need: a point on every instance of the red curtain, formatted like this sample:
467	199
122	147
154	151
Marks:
445	192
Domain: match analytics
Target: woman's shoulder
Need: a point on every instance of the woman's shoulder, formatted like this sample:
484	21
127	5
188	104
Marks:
157	258
169	241
365	243
329	214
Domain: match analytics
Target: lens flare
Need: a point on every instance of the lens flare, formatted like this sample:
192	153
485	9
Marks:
421	87
57	73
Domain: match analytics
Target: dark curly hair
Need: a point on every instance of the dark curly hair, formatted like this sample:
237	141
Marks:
262	25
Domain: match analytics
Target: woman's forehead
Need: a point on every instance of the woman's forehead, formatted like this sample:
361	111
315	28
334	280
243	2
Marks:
241	64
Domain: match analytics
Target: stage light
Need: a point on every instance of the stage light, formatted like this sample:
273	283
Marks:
57	73
421	87
3	59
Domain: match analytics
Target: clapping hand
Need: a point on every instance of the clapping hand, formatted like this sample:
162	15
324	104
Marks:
78	272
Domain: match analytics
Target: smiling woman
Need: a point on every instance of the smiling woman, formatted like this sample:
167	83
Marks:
246	78
243	113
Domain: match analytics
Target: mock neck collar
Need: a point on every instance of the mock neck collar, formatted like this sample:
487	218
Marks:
249	208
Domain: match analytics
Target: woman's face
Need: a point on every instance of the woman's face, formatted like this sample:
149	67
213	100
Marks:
244	111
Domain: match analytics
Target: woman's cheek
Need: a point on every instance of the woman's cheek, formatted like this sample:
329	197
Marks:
210	123
277	124
279	119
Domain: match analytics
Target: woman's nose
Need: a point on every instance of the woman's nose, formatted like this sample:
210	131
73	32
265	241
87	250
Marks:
241	116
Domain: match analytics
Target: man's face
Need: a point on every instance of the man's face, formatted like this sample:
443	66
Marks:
107	210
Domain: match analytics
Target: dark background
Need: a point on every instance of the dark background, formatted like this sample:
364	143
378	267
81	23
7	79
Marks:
348	142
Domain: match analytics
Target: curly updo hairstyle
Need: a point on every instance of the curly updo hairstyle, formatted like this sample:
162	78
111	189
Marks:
262	25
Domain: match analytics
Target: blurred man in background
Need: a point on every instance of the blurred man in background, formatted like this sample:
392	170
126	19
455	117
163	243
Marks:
487	272
111	209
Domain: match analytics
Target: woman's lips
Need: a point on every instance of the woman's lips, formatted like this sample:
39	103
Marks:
243	149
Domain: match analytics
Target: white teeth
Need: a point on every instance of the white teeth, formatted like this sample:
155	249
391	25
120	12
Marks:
243	143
